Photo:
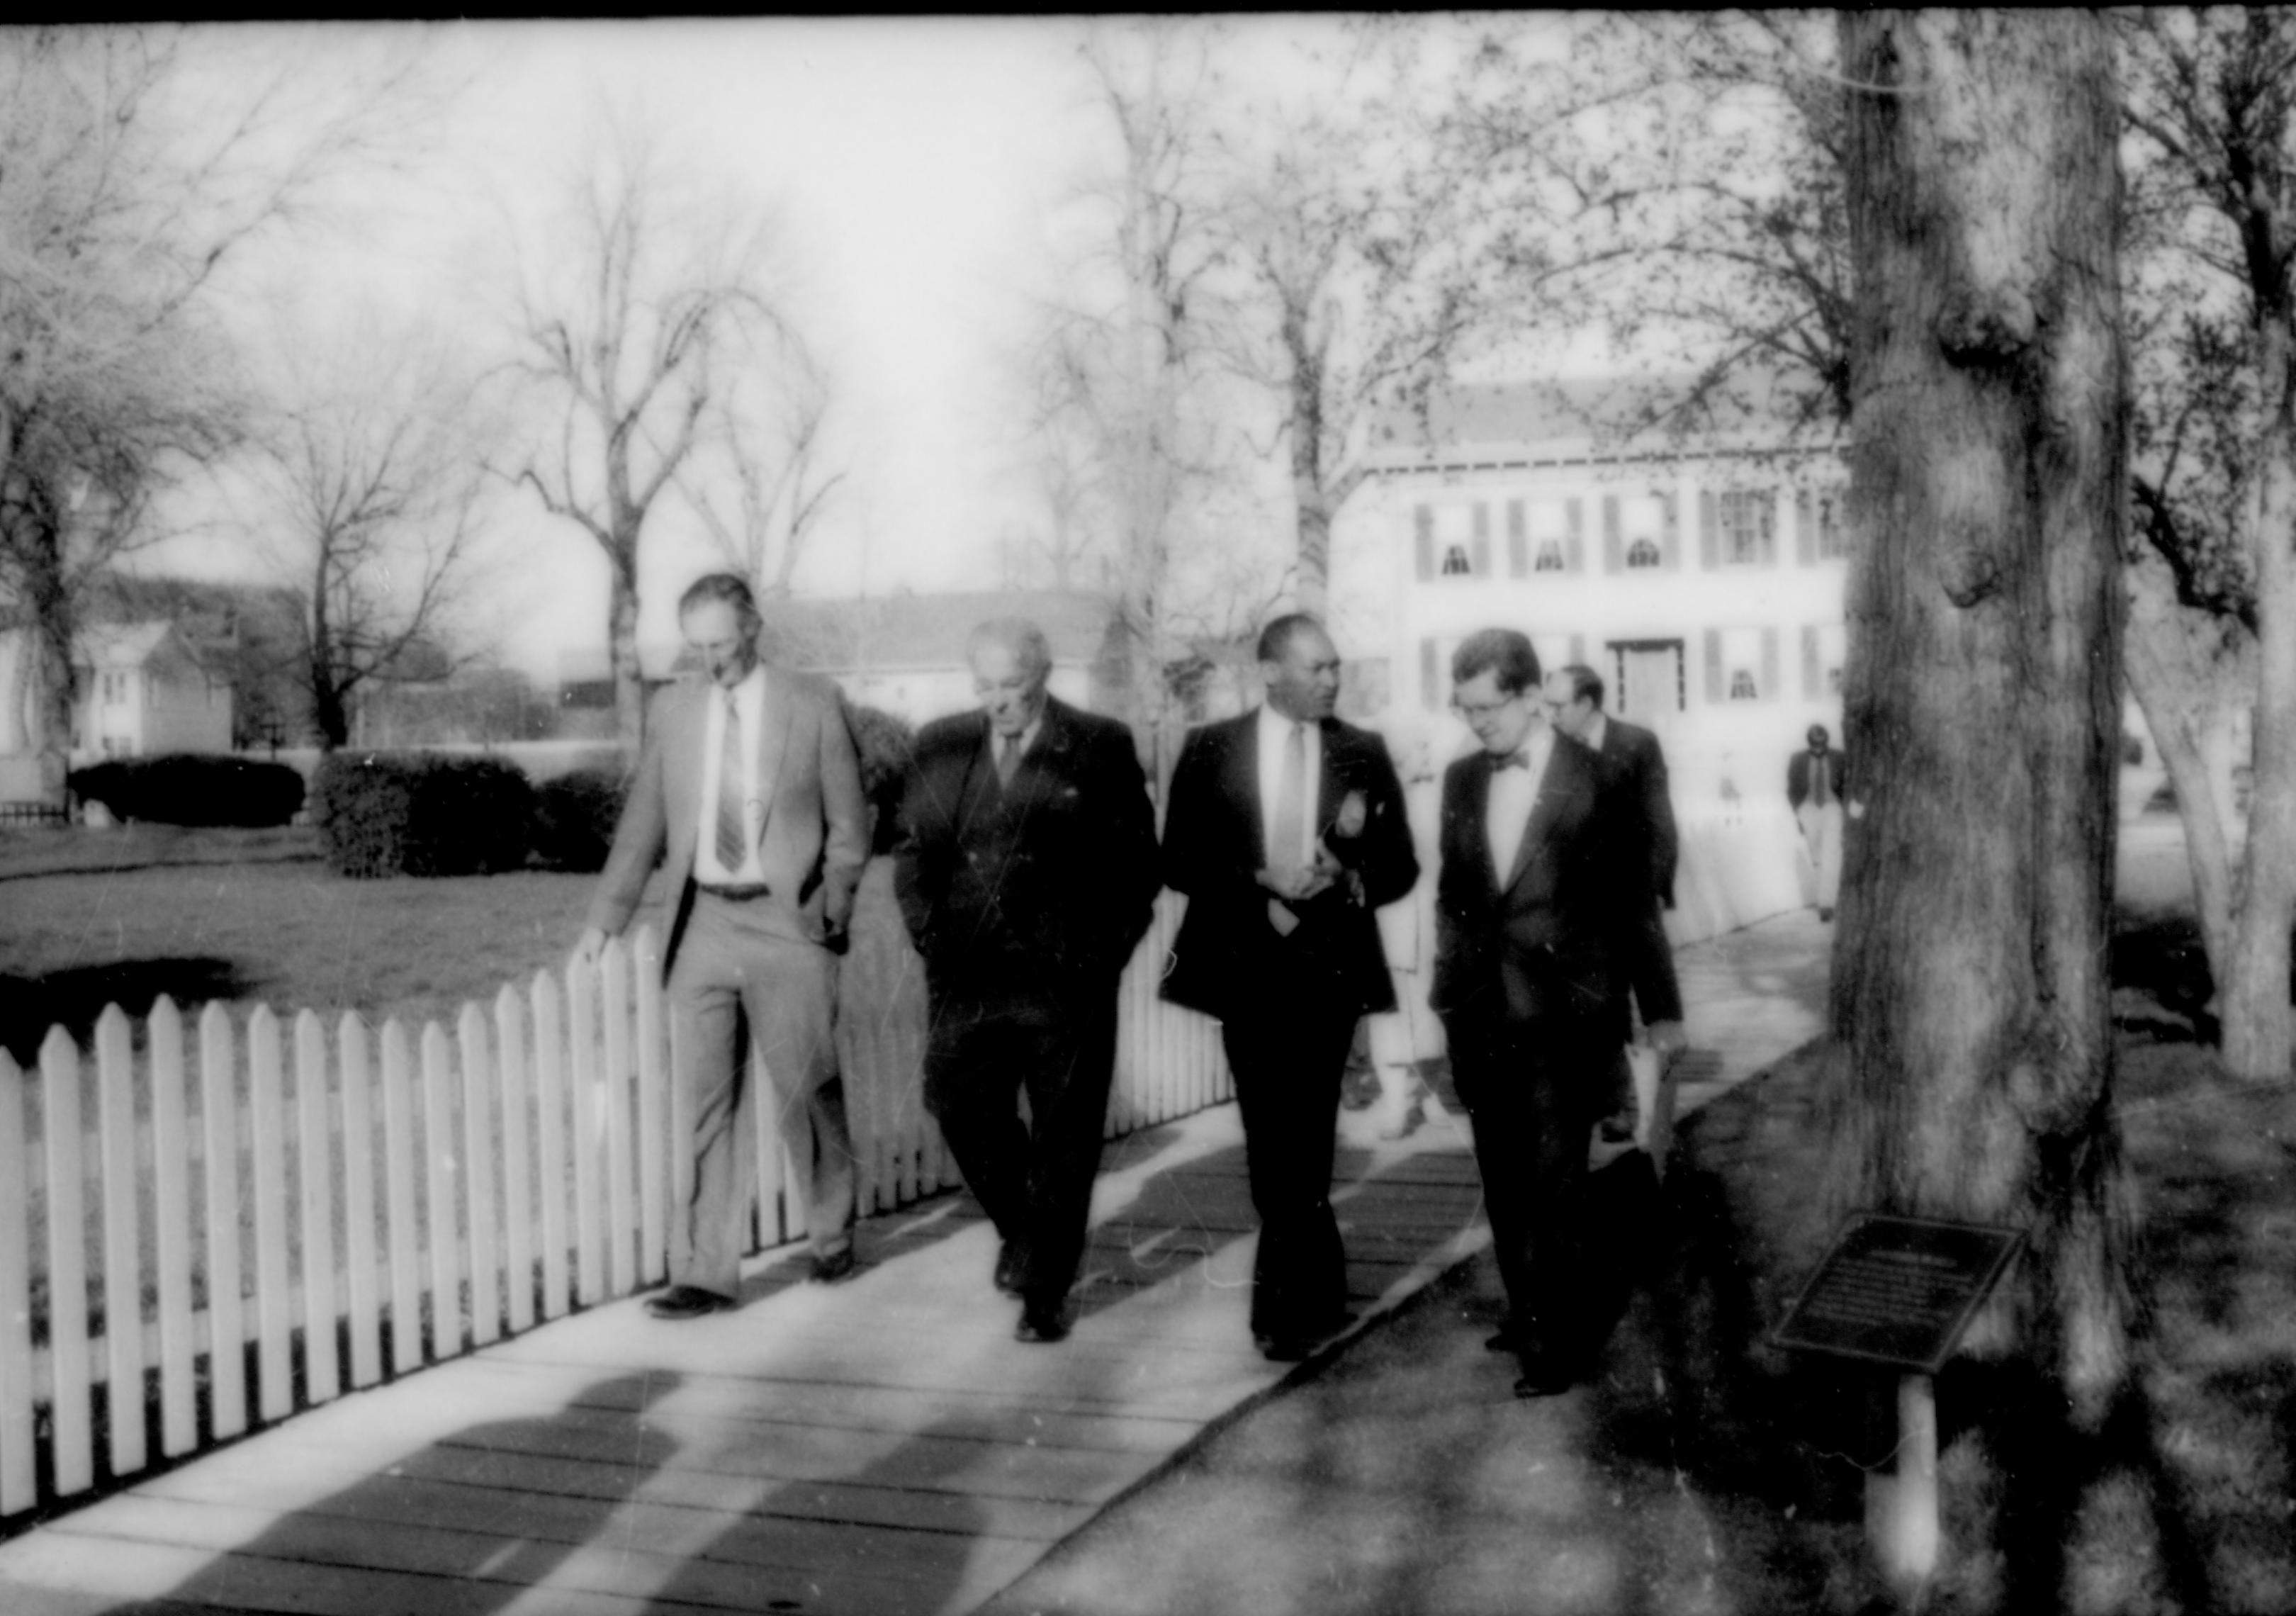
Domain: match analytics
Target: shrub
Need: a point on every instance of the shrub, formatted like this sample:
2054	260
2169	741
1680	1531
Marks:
575	815
885	745
193	789
415	814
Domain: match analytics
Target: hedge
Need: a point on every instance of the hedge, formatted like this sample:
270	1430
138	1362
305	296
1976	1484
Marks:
193	789
574	819
415	814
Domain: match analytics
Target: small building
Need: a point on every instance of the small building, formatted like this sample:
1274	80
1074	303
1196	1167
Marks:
143	690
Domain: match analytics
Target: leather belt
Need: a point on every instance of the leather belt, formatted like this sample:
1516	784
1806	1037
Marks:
738	894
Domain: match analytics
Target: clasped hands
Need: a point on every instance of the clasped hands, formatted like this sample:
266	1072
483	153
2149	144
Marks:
1303	882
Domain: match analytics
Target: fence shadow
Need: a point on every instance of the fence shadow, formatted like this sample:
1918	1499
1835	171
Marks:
74	999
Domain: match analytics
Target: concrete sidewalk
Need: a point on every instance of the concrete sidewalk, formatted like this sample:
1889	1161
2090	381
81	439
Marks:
880	1447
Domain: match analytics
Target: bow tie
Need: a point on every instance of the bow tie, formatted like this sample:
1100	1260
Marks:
1520	758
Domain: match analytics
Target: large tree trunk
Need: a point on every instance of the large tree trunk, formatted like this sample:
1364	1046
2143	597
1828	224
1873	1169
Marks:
55	625
1971	1001
1310	498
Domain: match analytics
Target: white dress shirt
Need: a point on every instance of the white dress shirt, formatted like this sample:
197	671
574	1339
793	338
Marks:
750	707
1514	794
1275	729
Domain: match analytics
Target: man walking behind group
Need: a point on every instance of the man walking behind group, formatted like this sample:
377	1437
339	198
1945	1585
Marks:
1535	907
1286	830
1634	769
1818	784
749	785
1026	867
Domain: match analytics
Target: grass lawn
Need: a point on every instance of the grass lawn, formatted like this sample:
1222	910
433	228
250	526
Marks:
288	934
2197	1506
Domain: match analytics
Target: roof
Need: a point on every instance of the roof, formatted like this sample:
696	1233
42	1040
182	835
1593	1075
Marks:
1593	417
883	633
925	630
115	645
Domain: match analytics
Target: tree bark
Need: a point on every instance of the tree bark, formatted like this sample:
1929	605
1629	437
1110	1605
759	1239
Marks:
1971	1000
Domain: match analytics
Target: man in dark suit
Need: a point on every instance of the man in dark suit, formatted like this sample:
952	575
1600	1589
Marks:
1286	830
1536	905
1817	790
1634	767
748	785
1026	867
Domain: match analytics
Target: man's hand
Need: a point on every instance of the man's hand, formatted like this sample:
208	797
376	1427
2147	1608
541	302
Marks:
1858	810
590	944
1297	885
1668	1039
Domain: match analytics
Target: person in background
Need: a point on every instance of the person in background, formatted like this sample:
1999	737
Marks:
1817	788
1633	766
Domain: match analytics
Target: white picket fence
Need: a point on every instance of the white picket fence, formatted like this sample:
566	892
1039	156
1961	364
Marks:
291	1215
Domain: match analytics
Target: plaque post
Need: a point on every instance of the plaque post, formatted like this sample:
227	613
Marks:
1901	1508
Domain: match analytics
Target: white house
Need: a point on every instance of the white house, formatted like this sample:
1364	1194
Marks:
1702	580
1705	583
142	691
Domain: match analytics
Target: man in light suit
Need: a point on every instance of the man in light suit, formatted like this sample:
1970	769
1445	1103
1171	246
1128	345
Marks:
1286	829
1634	767
748	786
1026	868
1536	906
1817	790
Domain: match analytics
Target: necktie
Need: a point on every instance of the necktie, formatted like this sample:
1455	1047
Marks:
1291	800
1518	759
1008	758
732	834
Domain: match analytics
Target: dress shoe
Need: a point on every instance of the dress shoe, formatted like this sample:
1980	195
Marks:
1041	1325
1505	1340
1544	1375
688	1301
829	1269
1286	1348
1009	1264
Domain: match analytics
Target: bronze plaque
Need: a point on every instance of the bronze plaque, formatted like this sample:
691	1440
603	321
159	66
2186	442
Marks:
1897	1291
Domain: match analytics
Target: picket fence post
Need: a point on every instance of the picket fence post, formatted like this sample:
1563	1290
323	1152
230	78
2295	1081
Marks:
18	1472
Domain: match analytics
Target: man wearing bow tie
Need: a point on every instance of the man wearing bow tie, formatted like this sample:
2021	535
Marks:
1026	870
1286	829
750	790
1535	903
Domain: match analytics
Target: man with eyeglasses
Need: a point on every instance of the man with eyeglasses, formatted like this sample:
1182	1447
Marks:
1531	902
1286	829
1026	867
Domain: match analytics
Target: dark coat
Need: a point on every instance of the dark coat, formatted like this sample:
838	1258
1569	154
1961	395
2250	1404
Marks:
1837	774
1558	935
1636	765
1215	843
1045	884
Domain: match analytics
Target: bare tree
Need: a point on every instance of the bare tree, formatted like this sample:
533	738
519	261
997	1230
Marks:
374	456
1971	1078
627	312
1127	373
761	474
135	165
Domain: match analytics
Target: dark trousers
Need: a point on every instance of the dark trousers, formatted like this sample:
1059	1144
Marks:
1034	1182
737	966
1288	1059
1533	1091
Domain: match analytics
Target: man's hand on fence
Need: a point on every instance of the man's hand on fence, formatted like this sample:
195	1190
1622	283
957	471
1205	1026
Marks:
589	945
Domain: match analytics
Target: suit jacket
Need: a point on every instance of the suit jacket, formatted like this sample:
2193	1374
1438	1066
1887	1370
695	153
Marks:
1555	936
1215	842
1048	881
1636	766
1837	774
817	832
